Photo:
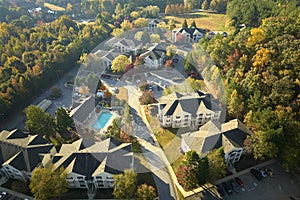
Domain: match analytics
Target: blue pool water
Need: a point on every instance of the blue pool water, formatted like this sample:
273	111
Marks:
102	120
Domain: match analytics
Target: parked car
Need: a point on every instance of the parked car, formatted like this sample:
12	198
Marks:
2	195
234	186
220	190
227	188
263	172
269	172
239	181
256	174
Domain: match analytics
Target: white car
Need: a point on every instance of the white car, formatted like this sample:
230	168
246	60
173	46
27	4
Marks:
2	195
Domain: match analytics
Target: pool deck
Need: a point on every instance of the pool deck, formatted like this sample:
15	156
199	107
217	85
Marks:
108	123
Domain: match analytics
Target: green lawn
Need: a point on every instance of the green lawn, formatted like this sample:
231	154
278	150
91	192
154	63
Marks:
206	20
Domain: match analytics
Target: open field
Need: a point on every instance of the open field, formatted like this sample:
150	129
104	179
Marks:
54	7
206	20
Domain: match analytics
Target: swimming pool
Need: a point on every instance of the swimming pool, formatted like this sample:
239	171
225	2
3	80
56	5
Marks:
102	120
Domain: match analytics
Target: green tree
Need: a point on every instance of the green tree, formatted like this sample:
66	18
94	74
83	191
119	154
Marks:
203	170
135	14
193	24
184	24
235	104
171	51
39	122
138	35
126	25
63	120
114	128
45	183
125	185
155	38
119	63
145	192
217	166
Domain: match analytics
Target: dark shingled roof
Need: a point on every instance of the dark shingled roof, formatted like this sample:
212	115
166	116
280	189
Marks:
191	105
192	30
236	136
35	155
17	134
19	162
114	155
23	152
38	141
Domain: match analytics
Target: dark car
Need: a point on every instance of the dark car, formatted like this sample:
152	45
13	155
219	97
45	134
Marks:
256	174
239	181
220	190
227	188
234	186
175	60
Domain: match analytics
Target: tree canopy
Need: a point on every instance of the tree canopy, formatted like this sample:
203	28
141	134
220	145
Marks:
125	185
119	63
39	122
261	72
45	183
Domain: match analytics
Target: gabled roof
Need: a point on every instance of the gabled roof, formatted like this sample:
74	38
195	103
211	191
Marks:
193	103
213	135
191	31
131	43
109	156
155	52
81	112
156	21
23	152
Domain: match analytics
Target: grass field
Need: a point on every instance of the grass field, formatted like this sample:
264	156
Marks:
54	7
206	20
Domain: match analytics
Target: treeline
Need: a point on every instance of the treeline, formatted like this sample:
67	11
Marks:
261	70
8	12
31	58
215	5
252	12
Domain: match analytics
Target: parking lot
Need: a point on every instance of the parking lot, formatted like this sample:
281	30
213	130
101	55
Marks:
280	187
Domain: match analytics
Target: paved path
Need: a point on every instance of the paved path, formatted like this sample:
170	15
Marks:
152	152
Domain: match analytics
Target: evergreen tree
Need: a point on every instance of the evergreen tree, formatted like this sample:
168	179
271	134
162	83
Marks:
193	24
184	24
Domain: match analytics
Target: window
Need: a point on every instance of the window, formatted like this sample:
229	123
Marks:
80	178
177	117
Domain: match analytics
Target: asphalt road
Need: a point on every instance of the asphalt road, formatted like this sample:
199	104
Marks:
151	151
